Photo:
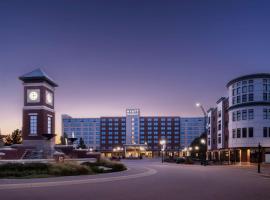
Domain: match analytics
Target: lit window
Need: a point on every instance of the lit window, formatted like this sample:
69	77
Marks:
49	125
33	125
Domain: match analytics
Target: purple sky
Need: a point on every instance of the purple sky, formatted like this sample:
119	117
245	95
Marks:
159	56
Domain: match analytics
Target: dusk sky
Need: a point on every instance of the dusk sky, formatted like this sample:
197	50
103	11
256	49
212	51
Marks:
106	56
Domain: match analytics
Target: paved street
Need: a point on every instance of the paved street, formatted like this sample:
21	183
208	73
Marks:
146	179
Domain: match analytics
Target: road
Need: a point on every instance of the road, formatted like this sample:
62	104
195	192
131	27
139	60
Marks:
145	179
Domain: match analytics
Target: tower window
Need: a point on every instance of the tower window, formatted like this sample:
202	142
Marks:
33	125
49	125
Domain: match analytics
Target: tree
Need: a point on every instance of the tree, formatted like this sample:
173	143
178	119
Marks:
7	140
81	144
1	139
16	136
202	146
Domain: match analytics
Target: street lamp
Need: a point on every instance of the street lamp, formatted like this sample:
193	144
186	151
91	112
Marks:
203	141
197	148
163	147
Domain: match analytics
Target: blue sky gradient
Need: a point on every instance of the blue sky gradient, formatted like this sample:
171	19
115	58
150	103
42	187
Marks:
160	56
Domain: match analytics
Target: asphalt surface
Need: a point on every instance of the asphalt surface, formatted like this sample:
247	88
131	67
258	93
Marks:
145	179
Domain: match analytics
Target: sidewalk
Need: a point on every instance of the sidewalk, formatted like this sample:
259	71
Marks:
252	167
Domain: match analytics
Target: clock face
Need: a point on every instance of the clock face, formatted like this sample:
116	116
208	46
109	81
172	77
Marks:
49	98
33	96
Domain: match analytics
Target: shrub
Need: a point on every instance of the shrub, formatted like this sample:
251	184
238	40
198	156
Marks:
42	169
68	169
114	165
20	169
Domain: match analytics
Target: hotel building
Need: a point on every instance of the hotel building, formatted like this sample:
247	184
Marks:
134	135
246	117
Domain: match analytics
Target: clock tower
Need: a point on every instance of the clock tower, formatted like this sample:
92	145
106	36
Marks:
38	130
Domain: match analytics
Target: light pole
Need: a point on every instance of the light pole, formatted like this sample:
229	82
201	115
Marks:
259	157
163	147
203	141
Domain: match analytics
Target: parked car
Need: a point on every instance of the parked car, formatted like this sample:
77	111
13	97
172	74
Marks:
180	160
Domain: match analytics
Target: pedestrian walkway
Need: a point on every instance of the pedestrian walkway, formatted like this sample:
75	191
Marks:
253	167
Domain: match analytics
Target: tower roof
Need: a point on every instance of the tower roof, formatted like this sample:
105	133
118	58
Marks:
37	75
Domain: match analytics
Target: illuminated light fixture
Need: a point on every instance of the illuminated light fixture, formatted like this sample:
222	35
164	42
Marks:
202	141
190	148
142	148
162	142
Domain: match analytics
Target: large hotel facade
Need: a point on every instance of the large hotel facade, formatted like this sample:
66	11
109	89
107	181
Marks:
134	135
239	123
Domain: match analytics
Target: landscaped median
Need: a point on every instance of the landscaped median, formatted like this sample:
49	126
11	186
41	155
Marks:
42	170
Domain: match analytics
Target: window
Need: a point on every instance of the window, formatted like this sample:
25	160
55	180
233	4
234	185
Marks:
251	97
219	125
265	112
219	139
33	125
233	133
250	114
238	90
250	132
238	133
238	115
238	99
265	131
49	125
244	132
250	88
244	114
234	116
265	96
244	98
244	89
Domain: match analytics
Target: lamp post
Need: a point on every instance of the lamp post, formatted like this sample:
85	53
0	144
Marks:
203	141
163	147
259	157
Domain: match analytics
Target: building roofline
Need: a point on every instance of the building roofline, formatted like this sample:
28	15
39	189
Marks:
220	99
249	76
37	75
